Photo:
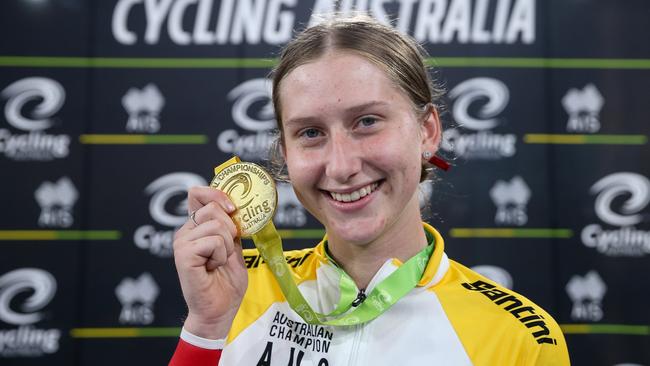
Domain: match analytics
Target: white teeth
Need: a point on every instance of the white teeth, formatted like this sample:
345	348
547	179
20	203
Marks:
356	195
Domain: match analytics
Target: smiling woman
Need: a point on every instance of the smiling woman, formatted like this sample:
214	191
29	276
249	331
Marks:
358	120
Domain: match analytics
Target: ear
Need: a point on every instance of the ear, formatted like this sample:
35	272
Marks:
431	130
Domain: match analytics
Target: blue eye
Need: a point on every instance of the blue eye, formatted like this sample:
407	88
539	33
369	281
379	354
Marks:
311	133
368	121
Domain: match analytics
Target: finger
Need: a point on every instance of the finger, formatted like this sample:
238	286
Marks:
214	211
200	196
212	252
223	226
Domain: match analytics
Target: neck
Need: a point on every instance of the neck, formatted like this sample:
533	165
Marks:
362	261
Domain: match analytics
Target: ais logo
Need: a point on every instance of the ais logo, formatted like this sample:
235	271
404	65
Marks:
583	107
168	208
143	107
57	203
252	111
511	199
24	311
31	106
620	200
587	294
137	297
477	104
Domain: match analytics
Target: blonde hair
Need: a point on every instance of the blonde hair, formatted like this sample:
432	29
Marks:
398	55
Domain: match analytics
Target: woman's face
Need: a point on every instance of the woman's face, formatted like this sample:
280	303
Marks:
353	146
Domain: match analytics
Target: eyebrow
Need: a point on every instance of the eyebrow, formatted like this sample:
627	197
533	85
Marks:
356	109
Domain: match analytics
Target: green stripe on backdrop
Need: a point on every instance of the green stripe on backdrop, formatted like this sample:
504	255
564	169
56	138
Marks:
128	139
148	332
566	139
257	63
60	235
622	329
537	233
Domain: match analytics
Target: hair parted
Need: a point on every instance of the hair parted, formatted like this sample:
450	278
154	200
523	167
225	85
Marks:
398	55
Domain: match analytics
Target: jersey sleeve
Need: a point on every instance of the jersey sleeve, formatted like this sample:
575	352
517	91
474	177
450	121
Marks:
189	355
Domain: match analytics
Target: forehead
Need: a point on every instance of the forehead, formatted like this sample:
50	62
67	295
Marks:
337	80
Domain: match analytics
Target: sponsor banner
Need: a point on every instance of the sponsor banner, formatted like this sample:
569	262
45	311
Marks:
220	28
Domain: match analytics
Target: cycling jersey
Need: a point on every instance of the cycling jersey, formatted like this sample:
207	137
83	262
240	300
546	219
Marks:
453	316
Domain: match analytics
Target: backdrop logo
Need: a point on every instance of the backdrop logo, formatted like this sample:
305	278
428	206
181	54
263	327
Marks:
168	207
24	311
477	104
208	22
587	295
30	107
56	201
252	110
583	107
496	274
137	297
143	107
620	198
511	199
290	211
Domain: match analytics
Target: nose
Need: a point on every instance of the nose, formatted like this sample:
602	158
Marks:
343	160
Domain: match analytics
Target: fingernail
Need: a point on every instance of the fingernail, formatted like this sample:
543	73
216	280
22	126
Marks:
230	206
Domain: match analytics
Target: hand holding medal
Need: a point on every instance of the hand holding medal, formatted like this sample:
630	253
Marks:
253	192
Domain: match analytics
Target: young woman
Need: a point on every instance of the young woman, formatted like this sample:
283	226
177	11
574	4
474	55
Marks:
358	122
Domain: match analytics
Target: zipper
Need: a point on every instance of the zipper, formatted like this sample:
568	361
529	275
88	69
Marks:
356	342
361	297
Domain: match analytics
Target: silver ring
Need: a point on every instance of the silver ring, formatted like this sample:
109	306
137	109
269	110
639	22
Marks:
193	218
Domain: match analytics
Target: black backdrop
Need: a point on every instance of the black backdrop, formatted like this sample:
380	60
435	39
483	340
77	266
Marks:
111	109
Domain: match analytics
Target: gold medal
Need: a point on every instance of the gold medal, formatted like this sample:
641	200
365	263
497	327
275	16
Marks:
251	189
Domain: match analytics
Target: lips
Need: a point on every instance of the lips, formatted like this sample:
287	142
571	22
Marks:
354	195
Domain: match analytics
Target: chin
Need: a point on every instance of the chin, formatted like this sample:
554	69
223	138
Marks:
356	232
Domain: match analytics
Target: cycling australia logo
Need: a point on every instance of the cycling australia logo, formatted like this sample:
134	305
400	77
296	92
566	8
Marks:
583	107
496	274
23	295
252	111
511	199
620	200
168	208
57	203
587	294
30	107
137	297
143	107
290	212
477	104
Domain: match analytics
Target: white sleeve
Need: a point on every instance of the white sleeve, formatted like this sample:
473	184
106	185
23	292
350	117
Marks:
202	342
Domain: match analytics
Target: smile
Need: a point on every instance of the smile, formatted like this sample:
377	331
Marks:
355	195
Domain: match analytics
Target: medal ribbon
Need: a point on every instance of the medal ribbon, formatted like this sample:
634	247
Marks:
381	298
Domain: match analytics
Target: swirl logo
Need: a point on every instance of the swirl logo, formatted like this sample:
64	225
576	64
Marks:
49	95
277	266
239	185
43	285
636	186
247	95
467	94
166	187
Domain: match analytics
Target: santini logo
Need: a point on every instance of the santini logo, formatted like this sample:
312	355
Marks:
26	340
511	199
137	297
168	207
56	201
620	199
477	104
30	107
143	107
587	294
583	107
252	110
524	313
